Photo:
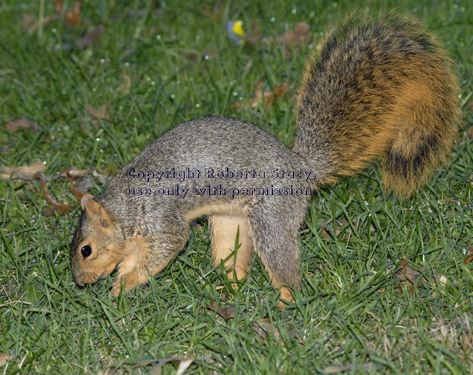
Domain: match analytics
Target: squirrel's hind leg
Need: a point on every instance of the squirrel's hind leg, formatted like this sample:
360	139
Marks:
275	238
236	256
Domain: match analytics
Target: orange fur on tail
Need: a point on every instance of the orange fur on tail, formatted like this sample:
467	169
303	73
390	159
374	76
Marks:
379	90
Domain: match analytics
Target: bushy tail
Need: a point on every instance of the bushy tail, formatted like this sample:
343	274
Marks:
380	89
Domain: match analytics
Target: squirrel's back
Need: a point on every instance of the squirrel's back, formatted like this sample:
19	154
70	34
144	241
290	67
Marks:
382	89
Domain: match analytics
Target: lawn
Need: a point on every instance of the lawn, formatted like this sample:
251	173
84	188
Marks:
94	85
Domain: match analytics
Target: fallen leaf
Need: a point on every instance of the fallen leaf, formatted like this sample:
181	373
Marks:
29	22
83	178
99	178
60	208
470	133
4	358
213	13
264	328
198	227
125	86
191	55
226	313
23	123
99	114
350	368
184	363
469	255
89	39
72	172
325	234
247	68
25	172
209	54
85	184
255	35
266	98
469	105
300	35
408	276
72	17
77	194
58	5
290	39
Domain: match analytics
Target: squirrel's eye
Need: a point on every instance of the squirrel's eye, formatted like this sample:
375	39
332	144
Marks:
86	251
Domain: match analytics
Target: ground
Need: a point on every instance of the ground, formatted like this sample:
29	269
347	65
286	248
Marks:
97	81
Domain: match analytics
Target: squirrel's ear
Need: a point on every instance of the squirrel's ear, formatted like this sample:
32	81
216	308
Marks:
96	212
85	198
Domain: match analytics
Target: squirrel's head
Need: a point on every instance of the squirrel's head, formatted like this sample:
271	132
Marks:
97	245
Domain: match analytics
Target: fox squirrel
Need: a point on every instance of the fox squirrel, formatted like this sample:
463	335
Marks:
378	89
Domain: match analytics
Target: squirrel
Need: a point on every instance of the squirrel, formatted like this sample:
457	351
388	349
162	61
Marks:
379	89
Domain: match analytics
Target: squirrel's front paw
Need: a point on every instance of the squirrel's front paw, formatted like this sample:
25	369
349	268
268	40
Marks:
129	281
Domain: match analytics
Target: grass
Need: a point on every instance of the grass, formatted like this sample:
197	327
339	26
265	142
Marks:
351	315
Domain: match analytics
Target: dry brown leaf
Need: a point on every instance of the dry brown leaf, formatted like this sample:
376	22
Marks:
184	363
349	368
469	105
89	39
84	179
72	172
29	22
264	328
85	183
197	226
336	230
99	114
226	313
4	358
72	17
300	35
58	5
255	35
469	255
247	68
290	39
213	13
23	123
302	31
408	276
125	86
60	208
209	54
191	55
325	234
266	98
24	172
77	194
470	133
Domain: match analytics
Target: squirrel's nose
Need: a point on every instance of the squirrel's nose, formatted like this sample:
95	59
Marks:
78	283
